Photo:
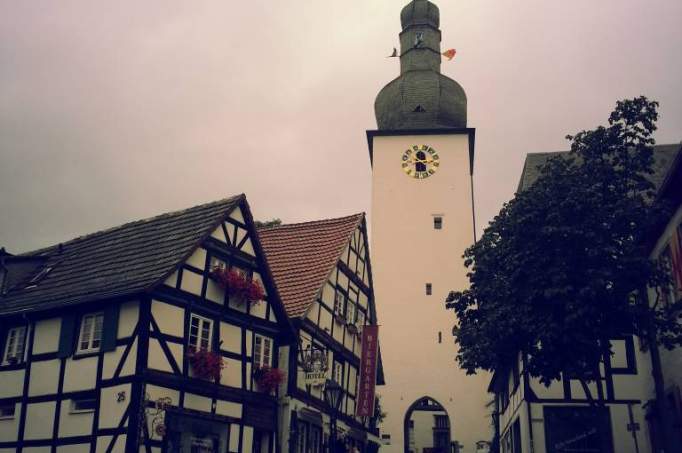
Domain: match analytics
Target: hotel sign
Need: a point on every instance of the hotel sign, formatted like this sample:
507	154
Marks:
315	367
368	371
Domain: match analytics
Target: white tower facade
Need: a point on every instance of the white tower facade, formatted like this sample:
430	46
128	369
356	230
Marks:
422	221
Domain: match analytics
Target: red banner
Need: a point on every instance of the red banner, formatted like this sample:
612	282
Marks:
368	371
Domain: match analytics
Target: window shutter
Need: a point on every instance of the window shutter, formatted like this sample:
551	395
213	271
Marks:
110	329
66	333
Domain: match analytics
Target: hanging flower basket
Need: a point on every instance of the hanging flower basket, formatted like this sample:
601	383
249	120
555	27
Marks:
238	285
340	318
206	364
352	328
268	379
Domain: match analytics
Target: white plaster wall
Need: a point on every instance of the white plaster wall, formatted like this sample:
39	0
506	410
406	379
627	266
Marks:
119	446
80	374
197	402
170	319
197	259
232	373
247	439
128	317
154	393
234	438
46	335
228	408
36	450
12	383
112	359
39	420
231	336
111	410
76	424
44	378
191	282
407	253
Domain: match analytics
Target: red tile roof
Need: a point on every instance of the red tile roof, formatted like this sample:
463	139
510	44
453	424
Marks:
302	255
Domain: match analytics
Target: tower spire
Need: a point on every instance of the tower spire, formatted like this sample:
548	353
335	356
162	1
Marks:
421	97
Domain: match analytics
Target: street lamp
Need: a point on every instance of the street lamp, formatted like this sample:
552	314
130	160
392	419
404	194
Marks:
333	394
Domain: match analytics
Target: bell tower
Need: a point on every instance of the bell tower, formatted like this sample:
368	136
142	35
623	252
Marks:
422	156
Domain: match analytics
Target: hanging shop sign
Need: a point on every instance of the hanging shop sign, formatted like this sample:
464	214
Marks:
368	371
315	367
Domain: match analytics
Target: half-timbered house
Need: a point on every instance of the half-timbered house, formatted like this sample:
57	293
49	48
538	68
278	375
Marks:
129	340
532	417
323	274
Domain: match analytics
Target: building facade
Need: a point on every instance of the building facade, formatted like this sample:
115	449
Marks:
110	341
667	247
323	273
422	157
532	417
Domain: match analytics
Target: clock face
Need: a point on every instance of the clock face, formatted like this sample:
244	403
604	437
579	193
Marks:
420	161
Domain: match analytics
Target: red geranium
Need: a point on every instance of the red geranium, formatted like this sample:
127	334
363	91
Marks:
268	379
206	364
238	285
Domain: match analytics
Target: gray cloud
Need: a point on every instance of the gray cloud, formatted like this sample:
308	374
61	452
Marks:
112	111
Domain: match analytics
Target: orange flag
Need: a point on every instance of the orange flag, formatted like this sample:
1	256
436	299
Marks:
449	54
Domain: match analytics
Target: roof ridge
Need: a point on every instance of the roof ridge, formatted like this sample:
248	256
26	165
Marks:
312	222
177	212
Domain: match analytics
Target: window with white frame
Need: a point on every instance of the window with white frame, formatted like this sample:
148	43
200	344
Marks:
262	351
339	302
15	345
90	338
200	333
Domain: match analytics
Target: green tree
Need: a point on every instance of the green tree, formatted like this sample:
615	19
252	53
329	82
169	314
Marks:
557	272
267	223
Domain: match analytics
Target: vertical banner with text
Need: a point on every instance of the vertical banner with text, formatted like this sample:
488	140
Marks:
368	371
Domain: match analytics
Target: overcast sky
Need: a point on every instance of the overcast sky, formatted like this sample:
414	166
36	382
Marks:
115	111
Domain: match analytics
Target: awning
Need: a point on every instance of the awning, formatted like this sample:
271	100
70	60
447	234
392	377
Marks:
310	416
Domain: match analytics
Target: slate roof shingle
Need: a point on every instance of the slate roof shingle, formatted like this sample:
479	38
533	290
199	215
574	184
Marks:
302	255
119	261
664	156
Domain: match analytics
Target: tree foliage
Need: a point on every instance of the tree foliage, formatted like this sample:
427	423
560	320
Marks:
555	273
267	223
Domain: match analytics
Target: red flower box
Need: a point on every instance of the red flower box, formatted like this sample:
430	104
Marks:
206	364
268	379
238	285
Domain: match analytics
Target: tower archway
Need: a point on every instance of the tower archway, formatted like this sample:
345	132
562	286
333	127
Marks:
426	427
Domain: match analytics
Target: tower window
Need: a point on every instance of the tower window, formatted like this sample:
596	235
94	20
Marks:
437	223
429	289
440	337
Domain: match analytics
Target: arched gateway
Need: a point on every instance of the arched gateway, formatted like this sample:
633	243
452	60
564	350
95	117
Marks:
426	427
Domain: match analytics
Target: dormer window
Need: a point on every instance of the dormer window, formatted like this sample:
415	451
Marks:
38	277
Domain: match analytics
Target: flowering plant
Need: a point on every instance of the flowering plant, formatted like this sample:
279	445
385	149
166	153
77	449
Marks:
206	364
238	285
268	379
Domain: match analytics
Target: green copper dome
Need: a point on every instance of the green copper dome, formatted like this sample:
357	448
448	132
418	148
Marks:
421	97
